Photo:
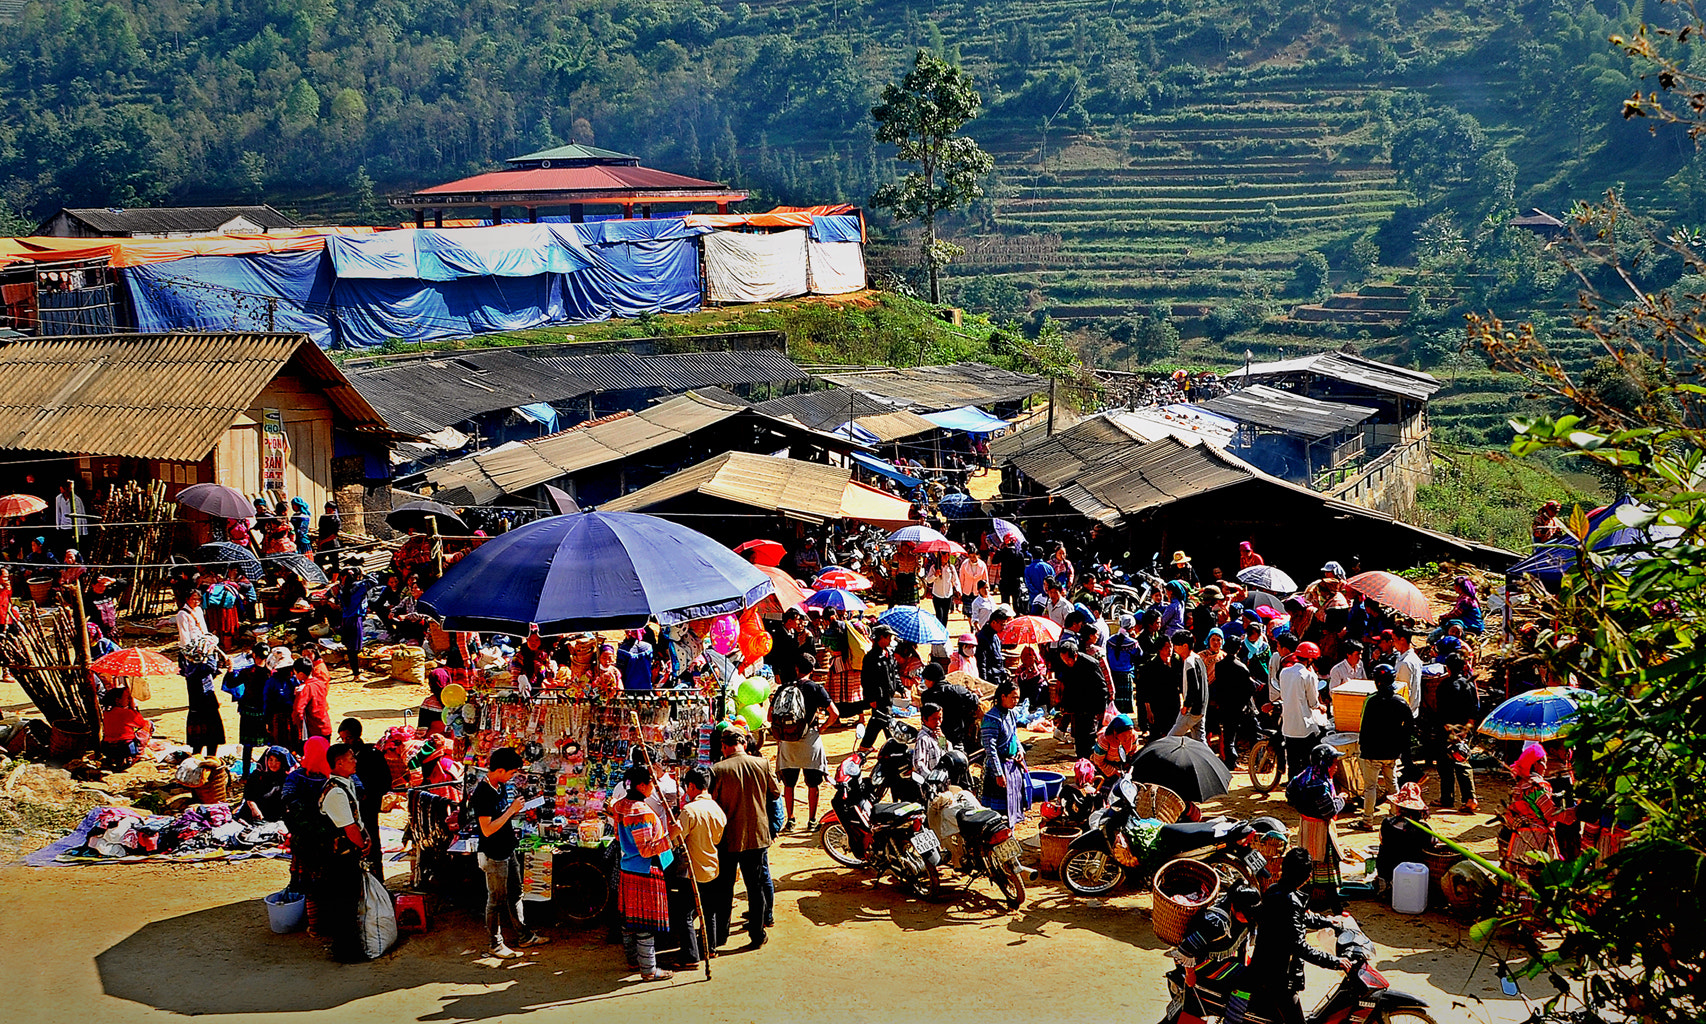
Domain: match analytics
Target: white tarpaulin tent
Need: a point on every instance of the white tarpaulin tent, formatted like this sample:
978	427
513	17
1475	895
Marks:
755	268
835	268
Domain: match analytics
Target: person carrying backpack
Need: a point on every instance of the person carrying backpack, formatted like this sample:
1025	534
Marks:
794	710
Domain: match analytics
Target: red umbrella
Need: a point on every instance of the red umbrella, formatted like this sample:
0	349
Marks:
135	661
1394	592
836	577
762	552
789	593
15	506
1030	629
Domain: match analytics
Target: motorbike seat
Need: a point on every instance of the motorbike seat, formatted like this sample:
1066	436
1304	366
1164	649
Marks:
888	814
981	824
1184	836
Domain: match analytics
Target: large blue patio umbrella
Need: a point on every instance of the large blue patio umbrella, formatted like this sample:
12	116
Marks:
1541	714
914	625
595	570
959	506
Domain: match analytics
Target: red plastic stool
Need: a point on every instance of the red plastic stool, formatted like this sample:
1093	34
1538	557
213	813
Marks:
411	913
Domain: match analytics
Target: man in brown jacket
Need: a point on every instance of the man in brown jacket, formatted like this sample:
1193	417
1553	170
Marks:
743	786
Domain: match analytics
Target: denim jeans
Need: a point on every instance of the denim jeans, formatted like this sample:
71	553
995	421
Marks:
503	898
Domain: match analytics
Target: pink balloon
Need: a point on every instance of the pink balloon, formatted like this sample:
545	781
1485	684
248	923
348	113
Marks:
725	634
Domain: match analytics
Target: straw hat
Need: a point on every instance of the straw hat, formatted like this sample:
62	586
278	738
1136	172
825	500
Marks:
1409	798
1180	558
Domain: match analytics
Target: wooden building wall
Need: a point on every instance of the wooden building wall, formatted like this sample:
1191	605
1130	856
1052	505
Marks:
307	425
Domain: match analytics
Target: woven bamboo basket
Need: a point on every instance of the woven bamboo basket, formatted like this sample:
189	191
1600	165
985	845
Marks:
1172	914
216	788
1158	802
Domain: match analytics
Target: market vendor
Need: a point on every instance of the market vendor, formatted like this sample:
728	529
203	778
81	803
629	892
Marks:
125	731
263	788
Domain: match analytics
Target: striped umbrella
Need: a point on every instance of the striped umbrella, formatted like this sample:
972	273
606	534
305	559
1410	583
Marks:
836	597
837	577
1008	533
134	661
914	625
16	506
925	539
223	553
1542	714
1267	578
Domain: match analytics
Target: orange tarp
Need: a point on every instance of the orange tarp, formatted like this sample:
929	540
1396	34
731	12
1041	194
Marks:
867	504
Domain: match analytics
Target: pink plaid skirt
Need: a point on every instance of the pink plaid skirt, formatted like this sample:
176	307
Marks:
643	901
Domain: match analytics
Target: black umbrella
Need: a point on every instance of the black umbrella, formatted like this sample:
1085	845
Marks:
302	566
416	514
1257	598
1186	766
225	553
217	500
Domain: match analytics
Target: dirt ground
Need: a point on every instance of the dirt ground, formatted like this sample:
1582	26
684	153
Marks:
140	943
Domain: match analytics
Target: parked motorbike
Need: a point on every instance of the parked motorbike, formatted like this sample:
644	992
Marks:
989	847
888	838
1363	995
1117	845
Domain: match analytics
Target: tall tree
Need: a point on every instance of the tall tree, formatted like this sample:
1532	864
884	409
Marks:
921	117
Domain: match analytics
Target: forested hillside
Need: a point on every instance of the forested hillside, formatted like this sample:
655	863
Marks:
1164	168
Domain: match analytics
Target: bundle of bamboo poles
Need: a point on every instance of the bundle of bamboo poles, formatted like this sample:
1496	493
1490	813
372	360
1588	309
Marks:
143	541
45	654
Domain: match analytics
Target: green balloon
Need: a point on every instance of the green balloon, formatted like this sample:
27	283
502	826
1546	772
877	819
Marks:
754	718
752	692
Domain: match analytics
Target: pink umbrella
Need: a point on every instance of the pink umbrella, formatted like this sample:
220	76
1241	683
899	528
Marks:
14	506
789	593
1394	592
836	577
1030	629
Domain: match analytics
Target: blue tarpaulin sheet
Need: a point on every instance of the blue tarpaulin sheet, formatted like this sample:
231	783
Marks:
969	419
606	232
1550	562
660	276
855	432
508	250
843	227
374	312
879	466
230	293
541	413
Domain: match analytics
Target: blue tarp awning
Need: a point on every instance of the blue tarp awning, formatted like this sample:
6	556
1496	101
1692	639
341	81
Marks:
430	254
1550	562
968	419
882	468
855	432
541	413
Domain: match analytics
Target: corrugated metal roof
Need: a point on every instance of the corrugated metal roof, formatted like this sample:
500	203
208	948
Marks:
934	388
1056	461
825	410
1367	373
178	218
1308	418
513	468
760	481
892	426
154	396
1134	479
435	393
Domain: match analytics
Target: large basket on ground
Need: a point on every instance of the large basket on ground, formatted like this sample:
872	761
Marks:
217	787
1181	890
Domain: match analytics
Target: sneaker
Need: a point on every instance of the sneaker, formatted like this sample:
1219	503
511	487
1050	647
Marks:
788	826
504	953
811	824
534	940
1471	806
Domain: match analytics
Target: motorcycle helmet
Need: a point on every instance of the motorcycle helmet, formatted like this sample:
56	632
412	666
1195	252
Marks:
958	768
1308	650
1050	810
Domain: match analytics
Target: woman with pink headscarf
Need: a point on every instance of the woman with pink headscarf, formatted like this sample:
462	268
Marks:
1531	816
1247	556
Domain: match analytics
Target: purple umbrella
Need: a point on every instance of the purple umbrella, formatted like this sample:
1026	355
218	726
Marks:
596	570
217	500
1008	533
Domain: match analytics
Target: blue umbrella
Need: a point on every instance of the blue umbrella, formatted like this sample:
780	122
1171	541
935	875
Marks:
959	506
595	570
835	597
1541	714
914	625
222	553
1008	532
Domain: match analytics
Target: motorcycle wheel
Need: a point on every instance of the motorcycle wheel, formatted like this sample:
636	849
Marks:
833	838
1011	881
922	878
1090	872
1264	767
1119	604
1232	872
1406	1016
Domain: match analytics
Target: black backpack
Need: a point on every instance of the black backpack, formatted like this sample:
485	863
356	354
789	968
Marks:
788	712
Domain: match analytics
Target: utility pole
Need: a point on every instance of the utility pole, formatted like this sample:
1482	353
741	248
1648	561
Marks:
1051	384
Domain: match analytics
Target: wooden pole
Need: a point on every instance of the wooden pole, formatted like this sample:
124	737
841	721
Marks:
86	688
709	950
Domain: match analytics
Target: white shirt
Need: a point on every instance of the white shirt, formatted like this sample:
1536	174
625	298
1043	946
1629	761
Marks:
1344	672
1059	610
942	583
972	570
338	803
1274	661
192	622
1408	675
982	607
1101	626
1299	695
65	511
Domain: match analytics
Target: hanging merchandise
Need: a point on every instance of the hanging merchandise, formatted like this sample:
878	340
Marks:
755	640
